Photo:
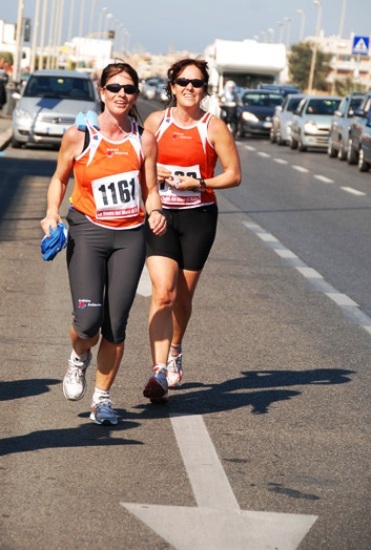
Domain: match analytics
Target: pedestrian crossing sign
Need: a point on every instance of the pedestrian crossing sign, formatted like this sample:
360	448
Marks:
361	45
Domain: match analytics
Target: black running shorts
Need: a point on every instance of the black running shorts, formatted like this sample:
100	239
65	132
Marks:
189	236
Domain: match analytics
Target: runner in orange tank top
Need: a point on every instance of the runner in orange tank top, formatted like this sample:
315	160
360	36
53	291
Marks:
115	173
190	141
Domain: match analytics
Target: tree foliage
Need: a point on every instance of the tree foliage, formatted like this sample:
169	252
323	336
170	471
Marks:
299	66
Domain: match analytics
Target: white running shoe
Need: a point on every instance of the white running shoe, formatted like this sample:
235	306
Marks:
102	413
74	383
174	370
156	388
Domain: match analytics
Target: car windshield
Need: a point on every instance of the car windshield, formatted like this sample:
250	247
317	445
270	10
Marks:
293	103
322	106
262	100
59	87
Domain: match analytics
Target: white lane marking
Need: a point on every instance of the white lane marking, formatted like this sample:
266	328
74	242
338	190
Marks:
341	299
249	148
309	273
300	169
217	521
350	308
209	482
267	237
280	161
323	178
353	191
285	253
145	285
263	154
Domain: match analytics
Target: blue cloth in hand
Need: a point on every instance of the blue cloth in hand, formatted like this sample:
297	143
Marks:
50	246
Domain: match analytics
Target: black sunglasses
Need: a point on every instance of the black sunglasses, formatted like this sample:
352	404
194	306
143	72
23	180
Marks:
115	88
196	82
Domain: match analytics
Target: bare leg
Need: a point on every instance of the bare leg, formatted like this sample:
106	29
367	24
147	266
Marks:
163	273
82	345
109	361
182	309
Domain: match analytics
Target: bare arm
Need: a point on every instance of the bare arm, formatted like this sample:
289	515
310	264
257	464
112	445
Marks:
152	123
151	196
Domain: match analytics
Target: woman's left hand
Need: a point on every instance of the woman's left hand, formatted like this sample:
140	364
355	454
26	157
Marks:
183	183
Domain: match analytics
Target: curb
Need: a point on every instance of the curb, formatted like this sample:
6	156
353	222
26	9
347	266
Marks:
5	138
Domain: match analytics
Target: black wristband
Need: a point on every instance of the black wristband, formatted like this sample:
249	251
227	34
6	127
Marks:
156	210
202	184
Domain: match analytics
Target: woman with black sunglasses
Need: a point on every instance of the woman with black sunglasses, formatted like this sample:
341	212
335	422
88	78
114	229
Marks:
190	142
115	171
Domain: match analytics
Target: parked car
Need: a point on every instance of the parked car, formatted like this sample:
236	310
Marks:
364	156
361	117
160	93
340	125
284	89
150	85
311	122
282	118
48	105
255	112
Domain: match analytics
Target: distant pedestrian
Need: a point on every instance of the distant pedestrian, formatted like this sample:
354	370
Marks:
190	142
115	173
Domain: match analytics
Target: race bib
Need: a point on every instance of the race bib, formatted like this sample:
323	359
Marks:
117	196
180	198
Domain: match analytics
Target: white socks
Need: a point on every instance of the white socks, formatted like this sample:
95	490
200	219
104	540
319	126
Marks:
99	395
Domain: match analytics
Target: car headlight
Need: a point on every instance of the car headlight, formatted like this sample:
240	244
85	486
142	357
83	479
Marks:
310	127
249	117
22	113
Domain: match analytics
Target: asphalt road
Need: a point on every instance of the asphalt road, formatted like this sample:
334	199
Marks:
266	445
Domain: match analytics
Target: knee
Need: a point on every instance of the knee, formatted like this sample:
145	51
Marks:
163	298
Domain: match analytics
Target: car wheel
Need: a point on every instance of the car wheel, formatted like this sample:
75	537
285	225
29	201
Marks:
293	143
240	132
331	151
301	146
352	155
342	155
279	139
15	143
363	166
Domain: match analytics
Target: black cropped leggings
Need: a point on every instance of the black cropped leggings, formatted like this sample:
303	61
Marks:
104	268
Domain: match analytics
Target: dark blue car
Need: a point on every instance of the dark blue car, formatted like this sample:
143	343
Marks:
255	112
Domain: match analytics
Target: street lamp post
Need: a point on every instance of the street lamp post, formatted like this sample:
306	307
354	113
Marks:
288	22
281	31
302	24
18	42
315	45
103	11
35	36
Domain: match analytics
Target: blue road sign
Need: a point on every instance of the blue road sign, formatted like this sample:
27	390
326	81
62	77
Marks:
361	45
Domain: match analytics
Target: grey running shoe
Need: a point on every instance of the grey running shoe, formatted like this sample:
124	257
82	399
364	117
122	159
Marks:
174	370
102	413
156	388
74	383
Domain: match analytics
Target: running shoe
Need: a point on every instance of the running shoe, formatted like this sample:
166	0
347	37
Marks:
74	383
102	413
156	388
174	370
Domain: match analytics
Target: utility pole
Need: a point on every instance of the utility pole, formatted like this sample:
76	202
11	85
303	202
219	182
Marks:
18	42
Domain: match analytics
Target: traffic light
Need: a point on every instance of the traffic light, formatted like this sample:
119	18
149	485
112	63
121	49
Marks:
26	29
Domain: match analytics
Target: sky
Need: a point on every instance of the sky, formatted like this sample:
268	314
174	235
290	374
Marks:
161	26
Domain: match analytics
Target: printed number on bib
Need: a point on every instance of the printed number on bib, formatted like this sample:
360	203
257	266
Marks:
181	198
117	196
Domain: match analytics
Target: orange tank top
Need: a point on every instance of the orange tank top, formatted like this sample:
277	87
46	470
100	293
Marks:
185	151
107	180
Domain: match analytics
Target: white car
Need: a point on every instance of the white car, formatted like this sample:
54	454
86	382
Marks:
310	127
48	105
282	118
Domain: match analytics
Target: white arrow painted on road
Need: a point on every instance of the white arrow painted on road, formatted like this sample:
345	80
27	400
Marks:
217	522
